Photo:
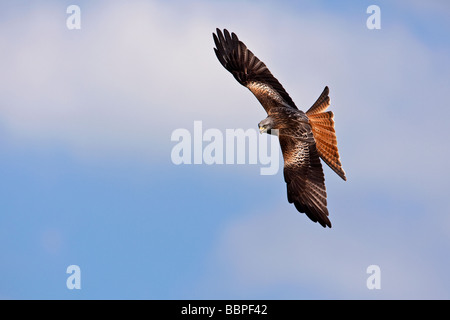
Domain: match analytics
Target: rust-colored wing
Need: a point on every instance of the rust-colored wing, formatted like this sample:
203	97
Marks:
304	177
249	71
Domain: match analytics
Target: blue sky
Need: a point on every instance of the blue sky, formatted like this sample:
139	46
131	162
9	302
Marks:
86	118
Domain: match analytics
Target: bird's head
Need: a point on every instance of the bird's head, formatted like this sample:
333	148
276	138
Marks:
266	125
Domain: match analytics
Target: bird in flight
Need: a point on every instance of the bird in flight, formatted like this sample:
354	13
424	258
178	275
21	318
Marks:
305	138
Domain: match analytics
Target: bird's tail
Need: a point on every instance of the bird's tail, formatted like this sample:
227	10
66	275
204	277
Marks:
322	124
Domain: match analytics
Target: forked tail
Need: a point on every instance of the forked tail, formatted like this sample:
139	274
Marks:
322	124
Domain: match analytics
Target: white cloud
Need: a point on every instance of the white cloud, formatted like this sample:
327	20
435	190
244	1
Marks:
134	73
129	74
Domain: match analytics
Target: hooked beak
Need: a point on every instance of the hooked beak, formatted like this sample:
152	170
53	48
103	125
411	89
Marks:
262	130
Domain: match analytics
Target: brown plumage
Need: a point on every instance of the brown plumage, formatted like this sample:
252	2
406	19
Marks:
304	137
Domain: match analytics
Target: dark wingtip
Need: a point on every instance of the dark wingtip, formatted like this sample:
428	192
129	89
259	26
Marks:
323	220
326	223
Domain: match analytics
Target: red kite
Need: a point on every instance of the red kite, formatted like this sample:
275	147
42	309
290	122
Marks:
305	138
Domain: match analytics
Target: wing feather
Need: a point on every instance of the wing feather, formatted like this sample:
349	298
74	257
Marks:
249	71
304	177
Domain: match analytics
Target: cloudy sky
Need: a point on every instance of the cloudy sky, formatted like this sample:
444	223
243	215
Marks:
87	178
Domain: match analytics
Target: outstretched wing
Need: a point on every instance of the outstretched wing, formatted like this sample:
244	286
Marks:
304	176
249	71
